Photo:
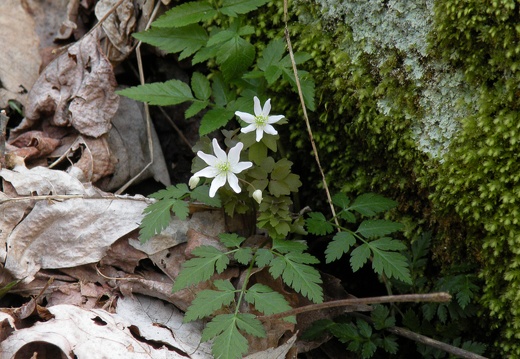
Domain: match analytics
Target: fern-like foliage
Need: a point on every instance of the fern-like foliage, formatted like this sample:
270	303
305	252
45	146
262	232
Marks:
369	240
287	259
157	216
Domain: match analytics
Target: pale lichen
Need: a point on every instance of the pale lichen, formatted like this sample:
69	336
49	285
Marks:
385	30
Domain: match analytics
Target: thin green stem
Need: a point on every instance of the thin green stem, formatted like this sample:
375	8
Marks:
244	286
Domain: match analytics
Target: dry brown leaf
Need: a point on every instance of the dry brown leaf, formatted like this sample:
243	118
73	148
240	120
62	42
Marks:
19	56
34	144
11	214
129	147
76	89
72	232
118	27
122	255
80	333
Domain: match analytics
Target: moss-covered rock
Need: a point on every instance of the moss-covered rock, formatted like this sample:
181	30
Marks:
419	101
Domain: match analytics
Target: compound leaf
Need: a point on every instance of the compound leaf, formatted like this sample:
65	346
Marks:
201	194
188	39
249	324
317	224
340	245
391	264
214	119
266	300
369	204
207	302
186	14
167	93
228	343
157	217
378	227
244	255
209	259
200	85
231	240
301	277
235	56
234	7
359	256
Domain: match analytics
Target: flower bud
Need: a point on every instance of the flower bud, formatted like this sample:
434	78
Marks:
257	195
194	181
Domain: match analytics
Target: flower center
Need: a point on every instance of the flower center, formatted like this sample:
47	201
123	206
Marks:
223	167
261	121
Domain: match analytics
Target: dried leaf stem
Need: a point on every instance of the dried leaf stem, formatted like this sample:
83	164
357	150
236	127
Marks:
307	122
62	197
430	297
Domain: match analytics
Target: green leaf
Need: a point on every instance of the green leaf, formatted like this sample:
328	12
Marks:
340	245
244	255
231	240
157	217
196	270
186	14
278	188
228	342
317	328
221	92
272	55
167	93
206	302
221	36
285	246
263	257
341	200
391	264
378	227
368	350
235	56
359	257
301	277
188	39
234	7
214	119
249	324
317	224
171	192
257	152
381	318
266	300
369	204
195	108
201	194
200	86
390	344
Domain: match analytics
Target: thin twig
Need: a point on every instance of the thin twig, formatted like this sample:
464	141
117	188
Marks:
63	197
3	125
430	297
307	122
176	128
406	333
146	108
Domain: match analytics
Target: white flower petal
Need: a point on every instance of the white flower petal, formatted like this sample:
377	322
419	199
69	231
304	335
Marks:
267	108
208	172
249	128
234	154
257	195
246	117
217	182
219	152
241	166
258	107
274	119
270	130
233	182
259	134
209	159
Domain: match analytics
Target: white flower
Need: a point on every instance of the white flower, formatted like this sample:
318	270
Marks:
257	195
193	182
223	167
261	121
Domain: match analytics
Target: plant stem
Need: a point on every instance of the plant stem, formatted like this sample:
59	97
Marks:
429	297
307	122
